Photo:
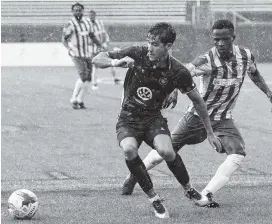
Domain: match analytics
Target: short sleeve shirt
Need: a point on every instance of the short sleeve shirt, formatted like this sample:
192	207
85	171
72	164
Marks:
146	86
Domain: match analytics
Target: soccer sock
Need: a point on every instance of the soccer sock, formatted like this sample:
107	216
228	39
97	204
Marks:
179	170
77	89
223	173
152	159
137	168
82	92
94	77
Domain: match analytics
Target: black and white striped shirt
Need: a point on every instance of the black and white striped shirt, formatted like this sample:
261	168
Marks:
222	80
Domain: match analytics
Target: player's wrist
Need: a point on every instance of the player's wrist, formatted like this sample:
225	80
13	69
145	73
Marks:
114	62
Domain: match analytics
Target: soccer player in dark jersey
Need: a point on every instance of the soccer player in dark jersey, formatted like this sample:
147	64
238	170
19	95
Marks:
152	75
222	71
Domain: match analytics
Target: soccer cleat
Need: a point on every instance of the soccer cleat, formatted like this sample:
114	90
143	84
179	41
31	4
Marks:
193	194
81	106
207	201
129	184
117	81
159	209
95	87
75	105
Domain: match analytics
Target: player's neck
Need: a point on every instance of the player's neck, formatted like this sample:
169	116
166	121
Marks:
163	62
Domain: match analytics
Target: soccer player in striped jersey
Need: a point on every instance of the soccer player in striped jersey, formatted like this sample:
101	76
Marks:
103	36
152	75
76	37
222	69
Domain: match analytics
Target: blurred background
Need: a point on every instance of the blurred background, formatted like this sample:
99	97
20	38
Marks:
129	21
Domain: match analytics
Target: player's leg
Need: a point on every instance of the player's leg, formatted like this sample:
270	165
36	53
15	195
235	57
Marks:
189	130
79	65
94	78
130	141
113	73
85	77
234	146
163	144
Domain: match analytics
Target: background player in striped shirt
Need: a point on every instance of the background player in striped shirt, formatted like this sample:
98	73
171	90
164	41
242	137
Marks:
76	37
222	70
103	36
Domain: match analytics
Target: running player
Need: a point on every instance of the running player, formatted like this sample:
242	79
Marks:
102	35
152	75
76	37
222	70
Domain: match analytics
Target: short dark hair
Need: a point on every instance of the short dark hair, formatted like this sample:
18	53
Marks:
77	4
92	11
165	32
223	24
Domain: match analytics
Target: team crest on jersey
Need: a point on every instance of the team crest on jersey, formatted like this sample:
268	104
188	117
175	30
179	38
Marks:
163	81
144	93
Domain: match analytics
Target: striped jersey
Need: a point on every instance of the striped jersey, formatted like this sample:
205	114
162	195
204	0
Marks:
100	33
79	42
221	80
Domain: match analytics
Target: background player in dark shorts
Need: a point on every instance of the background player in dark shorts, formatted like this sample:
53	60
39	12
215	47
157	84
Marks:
152	75
222	69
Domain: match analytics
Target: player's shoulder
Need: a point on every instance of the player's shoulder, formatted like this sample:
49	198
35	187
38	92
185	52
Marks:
239	49
176	65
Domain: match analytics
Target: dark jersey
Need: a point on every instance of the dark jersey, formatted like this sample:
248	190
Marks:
146	86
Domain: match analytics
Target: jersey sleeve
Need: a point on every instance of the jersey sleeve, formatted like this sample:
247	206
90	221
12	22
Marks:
133	52
184	81
67	29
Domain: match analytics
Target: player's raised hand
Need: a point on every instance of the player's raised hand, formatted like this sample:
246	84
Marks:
172	98
215	142
125	62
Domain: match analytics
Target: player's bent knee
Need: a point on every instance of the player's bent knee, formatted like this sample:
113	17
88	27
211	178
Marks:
130	150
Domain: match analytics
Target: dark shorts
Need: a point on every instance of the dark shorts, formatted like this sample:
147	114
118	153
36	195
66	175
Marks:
84	68
190	130
141	128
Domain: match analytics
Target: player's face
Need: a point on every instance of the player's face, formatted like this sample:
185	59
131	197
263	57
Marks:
156	49
92	16
78	12
223	39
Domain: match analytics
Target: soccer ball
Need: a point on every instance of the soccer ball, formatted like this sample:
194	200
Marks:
23	204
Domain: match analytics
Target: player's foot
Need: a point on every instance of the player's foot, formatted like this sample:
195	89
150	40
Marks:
95	87
74	105
207	201
117	81
159	209
81	105
193	194
129	184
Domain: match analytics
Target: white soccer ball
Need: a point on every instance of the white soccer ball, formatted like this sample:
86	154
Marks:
23	204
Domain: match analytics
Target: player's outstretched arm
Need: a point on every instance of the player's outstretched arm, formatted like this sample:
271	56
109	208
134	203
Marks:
102	60
258	80
201	110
